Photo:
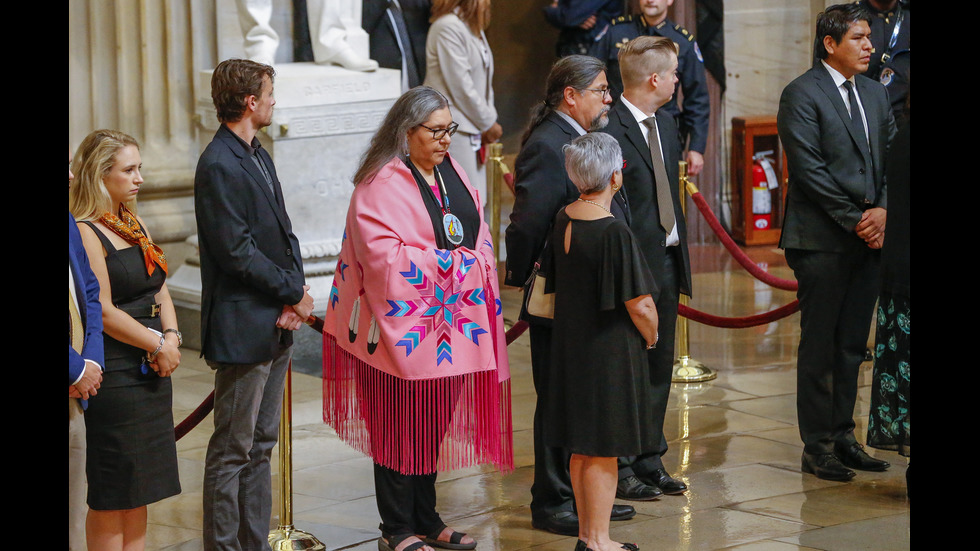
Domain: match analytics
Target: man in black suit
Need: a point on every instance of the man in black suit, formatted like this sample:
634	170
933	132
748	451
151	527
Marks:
651	151
253	296
835	126
397	31
576	101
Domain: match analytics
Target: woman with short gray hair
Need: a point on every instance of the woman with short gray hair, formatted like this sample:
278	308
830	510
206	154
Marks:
605	320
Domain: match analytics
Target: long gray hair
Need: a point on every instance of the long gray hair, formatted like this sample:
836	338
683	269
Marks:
413	108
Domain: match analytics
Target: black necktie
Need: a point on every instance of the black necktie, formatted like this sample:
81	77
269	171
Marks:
857	126
405	42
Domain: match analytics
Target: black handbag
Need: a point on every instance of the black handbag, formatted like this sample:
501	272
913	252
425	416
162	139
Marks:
539	305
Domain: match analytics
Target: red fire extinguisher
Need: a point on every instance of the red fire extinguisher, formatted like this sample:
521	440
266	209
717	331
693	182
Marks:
763	182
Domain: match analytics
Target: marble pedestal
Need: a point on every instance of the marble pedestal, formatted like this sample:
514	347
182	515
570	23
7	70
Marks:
323	121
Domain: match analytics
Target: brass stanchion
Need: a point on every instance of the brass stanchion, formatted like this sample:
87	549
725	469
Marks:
495	152
286	537
686	368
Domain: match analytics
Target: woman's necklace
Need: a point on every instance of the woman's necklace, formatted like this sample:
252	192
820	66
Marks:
596	204
450	223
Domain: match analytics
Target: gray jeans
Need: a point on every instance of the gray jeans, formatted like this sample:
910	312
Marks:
237	472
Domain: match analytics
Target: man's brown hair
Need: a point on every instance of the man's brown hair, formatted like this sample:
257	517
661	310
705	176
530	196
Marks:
232	82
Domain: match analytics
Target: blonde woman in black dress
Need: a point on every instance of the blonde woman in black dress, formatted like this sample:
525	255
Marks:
131	456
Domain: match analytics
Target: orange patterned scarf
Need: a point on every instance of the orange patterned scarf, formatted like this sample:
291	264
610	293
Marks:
126	226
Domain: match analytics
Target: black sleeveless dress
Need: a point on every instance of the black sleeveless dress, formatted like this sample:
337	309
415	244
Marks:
131	455
601	400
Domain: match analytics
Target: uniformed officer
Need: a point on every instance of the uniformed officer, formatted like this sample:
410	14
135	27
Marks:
582	23
890	29
692	116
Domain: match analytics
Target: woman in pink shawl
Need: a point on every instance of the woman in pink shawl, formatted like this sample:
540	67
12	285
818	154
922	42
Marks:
415	370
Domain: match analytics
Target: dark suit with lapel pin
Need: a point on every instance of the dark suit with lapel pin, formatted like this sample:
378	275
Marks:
250	268
671	266
542	188
831	169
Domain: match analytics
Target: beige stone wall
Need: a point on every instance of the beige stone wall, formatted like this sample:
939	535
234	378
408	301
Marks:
130	67
768	43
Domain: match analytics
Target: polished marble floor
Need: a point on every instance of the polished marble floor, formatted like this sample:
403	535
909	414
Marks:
734	440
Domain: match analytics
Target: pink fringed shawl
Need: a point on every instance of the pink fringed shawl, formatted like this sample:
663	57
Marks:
415	370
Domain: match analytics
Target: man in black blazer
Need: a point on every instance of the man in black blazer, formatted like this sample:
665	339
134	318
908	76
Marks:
253	296
835	126
576	101
651	152
397	30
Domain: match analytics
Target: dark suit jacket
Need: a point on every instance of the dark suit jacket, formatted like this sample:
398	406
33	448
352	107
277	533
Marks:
641	188
383	44
89	307
542	188
827	170
250	259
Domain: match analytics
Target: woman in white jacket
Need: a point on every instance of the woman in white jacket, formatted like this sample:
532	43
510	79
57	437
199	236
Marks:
459	64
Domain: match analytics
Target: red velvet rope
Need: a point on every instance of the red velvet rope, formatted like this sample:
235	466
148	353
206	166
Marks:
738	323
316	323
737	253
195	417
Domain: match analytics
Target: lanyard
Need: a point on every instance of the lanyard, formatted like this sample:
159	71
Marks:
444	202
450	223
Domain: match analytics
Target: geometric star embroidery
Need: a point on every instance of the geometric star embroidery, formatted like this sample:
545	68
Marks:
439	309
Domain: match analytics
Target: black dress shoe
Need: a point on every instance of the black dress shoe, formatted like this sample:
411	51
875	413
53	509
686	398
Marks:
855	457
564	523
826	466
581	546
633	489
622	512
667	484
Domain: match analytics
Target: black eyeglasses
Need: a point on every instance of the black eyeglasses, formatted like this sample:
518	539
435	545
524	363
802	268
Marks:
601	91
438	133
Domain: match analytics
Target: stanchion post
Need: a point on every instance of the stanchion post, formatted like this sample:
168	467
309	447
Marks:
286	537
494	176
686	368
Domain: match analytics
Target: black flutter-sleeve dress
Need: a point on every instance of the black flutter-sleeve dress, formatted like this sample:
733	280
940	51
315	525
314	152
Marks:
601	404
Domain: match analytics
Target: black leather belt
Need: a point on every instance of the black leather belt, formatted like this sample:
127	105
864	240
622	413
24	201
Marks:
141	310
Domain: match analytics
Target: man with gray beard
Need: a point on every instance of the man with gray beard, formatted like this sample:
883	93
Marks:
576	101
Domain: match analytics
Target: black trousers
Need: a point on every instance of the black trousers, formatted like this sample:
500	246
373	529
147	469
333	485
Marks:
837	296
551	491
661	361
407	503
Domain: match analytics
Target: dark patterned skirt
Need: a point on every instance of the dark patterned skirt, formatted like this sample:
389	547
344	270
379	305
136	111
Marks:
890	422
